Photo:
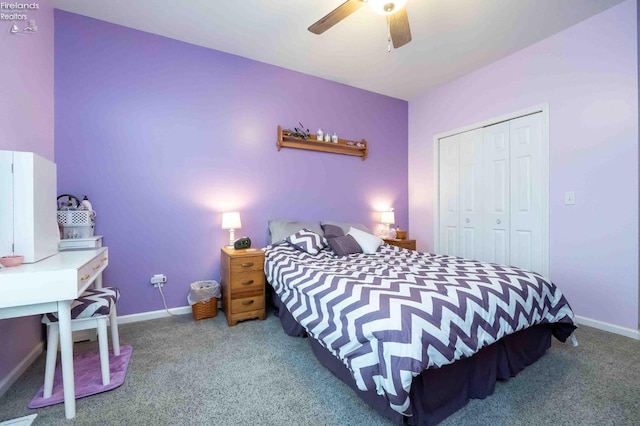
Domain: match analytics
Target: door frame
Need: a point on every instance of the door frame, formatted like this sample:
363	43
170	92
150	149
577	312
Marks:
542	108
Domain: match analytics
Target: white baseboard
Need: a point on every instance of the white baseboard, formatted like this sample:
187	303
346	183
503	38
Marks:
611	328
145	316
15	374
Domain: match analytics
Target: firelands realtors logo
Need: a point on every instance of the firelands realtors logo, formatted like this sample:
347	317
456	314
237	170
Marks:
17	13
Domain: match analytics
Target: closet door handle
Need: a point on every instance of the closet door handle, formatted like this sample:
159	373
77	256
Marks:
466	220
498	221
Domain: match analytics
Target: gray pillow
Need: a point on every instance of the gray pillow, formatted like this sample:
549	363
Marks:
344	245
347	225
279	229
332	231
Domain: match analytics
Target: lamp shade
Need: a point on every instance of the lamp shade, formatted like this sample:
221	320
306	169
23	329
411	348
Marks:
388	217
387	7
231	220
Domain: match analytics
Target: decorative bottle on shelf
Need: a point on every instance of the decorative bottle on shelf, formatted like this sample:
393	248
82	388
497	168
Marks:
334	137
327	137
319	134
86	204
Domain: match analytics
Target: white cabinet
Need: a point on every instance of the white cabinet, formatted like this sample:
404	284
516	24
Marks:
493	194
28	224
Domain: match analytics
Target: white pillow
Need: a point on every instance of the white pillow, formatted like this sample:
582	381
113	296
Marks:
367	241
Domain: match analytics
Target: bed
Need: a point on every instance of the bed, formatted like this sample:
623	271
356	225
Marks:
416	335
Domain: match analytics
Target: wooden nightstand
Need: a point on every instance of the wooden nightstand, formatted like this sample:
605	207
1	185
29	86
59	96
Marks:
408	244
242	284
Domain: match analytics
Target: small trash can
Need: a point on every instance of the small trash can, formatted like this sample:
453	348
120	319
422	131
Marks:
203	298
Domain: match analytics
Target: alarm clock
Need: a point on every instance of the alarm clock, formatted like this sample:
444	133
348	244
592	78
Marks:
242	243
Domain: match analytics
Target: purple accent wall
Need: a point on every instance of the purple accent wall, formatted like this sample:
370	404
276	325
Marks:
588	74
164	136
26	123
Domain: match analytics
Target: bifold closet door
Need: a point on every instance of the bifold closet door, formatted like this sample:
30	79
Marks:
492	195
513	193
449	194
526	193
496	193
471	215
461	194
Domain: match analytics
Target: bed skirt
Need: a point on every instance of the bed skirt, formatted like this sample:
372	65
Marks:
438	393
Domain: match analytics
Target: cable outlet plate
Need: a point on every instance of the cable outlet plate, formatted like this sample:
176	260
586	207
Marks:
158	280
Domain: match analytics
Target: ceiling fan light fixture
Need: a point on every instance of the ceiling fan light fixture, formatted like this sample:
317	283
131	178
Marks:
386	7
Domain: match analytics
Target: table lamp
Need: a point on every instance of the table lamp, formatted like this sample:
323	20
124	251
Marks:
231	221
387	218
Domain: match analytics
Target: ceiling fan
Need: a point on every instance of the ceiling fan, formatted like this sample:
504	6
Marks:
396	14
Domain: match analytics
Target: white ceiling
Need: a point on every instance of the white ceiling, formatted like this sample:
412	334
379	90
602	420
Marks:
450	37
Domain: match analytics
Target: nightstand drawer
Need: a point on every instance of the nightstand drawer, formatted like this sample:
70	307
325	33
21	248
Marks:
247	304
246	264
245	281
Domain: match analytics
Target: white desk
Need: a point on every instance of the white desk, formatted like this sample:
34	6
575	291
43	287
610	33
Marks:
50	286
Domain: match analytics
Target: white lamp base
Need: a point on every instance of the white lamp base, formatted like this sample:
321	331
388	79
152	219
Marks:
232	238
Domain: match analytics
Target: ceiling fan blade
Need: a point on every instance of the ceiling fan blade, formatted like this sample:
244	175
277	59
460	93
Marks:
337	15
399	28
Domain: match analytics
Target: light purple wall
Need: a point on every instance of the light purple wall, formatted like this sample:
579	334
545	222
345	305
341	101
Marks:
164	136
26	124
588	74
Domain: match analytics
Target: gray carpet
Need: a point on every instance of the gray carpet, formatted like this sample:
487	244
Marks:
186	372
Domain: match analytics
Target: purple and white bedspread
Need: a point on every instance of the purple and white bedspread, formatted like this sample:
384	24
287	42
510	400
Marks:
390	315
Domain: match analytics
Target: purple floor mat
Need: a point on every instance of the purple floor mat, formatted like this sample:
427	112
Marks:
88	378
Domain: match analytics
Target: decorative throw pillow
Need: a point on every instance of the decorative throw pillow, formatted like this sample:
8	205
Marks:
307	241
368	242
344	245
332	231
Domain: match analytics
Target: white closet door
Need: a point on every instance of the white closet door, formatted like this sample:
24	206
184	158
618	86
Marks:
526	192
471	194
496	193
449	188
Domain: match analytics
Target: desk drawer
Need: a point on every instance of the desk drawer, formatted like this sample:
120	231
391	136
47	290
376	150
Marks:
92	269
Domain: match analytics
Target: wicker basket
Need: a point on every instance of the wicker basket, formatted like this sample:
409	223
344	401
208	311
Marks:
77	223
207	309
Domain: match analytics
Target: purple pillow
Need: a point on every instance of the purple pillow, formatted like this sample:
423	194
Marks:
307	241
344	245
332	231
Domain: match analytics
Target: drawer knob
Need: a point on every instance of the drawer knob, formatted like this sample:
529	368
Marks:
96	266
247	264
86	277
247	302
104	259
248	282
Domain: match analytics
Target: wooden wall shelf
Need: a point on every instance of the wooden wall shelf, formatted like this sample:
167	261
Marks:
343	146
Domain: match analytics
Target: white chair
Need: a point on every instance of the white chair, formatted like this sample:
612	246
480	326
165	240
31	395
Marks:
90	310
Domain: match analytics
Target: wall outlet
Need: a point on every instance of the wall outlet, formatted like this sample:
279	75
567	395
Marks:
158	280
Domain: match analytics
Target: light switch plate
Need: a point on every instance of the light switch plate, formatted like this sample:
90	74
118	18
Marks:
570	198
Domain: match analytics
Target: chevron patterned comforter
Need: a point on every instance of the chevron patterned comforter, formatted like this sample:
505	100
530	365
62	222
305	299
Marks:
390	315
